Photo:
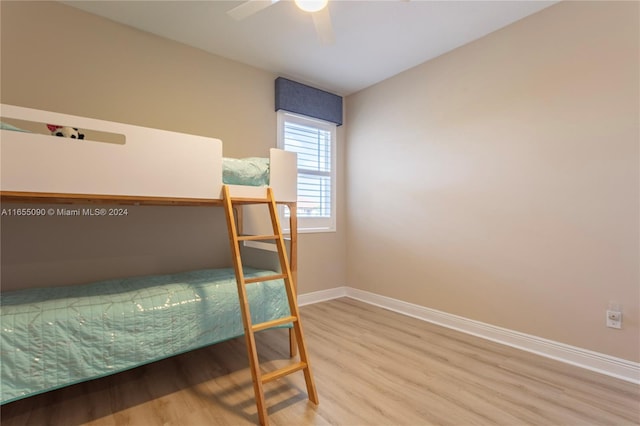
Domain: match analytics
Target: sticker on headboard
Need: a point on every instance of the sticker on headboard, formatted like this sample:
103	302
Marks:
62	130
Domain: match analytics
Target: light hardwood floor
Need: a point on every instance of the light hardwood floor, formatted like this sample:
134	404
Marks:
371	366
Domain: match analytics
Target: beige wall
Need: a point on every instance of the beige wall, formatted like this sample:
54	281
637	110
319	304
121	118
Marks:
500	182
57	58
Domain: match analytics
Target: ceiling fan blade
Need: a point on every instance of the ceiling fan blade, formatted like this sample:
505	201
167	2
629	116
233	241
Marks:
249	7
324	29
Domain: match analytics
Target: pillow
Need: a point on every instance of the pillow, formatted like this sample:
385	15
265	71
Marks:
7	126
253	171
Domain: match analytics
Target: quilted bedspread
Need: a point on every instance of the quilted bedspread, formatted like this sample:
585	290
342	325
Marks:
54	337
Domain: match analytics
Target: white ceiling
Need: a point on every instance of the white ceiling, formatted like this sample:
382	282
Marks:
374	40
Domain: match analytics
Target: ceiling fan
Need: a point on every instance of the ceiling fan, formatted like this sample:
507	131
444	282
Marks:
318	9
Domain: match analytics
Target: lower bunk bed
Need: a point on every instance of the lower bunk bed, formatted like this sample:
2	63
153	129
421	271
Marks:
58	336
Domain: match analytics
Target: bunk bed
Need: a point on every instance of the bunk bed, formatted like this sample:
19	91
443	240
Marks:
54	337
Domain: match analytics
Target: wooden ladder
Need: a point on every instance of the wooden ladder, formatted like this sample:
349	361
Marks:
249	329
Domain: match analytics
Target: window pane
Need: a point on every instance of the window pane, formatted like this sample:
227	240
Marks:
312	145
314	195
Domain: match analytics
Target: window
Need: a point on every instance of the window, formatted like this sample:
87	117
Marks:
314	142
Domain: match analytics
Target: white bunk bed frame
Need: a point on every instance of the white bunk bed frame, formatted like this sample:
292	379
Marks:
152	167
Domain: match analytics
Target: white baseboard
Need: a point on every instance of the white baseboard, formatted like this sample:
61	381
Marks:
595	361
321	296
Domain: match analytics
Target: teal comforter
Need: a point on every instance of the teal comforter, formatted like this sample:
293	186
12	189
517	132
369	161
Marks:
54	337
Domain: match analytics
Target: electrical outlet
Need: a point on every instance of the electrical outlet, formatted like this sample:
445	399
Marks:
614	319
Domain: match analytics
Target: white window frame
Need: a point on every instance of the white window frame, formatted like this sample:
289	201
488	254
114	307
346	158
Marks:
312	224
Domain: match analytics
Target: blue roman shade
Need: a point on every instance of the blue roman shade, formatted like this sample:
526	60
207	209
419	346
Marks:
306	100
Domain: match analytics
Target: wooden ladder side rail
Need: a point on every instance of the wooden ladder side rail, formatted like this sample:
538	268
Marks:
286	274
291	295
293	264
254	364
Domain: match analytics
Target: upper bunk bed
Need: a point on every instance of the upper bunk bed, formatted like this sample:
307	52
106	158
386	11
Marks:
131	165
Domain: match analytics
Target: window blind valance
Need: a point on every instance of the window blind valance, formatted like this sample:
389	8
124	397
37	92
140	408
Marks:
306	100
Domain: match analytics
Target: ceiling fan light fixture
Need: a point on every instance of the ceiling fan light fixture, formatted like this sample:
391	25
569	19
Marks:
311	5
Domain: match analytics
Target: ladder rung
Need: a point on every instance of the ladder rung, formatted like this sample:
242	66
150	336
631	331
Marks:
265	278
274	375
273	323
257	237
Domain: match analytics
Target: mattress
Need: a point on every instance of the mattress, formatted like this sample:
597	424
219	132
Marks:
54	337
